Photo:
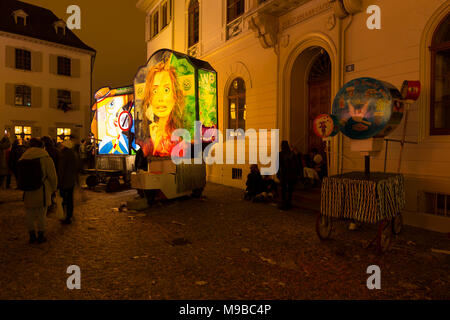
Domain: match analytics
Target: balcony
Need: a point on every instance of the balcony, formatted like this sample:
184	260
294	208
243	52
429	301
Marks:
275	8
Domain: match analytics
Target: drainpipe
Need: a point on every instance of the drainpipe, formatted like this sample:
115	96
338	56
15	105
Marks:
342	73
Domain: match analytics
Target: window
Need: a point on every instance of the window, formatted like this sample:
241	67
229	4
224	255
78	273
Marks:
64	99
236	174
236	105
155	24
23	59
194	23
164	15
23	133
64	66
235	8
63	134
21	21
440	80
23	96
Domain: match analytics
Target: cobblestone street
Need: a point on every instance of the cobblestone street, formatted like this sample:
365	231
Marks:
224	248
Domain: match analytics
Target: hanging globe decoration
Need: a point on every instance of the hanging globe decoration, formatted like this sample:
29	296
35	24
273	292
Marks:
368	108
326	125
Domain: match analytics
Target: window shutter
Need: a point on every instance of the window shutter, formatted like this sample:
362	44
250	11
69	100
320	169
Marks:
36	132
52	132
10	94
53	98
53	60
10	57
36	97
76	67
36	61
75	96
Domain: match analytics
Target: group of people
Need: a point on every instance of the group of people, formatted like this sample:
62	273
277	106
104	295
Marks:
41	168
293	166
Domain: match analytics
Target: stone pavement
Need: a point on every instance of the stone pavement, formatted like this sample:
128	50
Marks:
217	247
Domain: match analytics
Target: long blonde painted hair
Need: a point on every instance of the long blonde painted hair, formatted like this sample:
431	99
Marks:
175	120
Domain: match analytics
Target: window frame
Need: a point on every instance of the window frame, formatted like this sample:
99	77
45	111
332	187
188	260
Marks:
26	96
434	50
22	136
235	98
62	137
153	32
234	4
64	66
193	25
63	97
22	59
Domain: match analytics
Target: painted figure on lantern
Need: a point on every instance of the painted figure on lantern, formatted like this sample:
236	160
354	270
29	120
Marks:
163	108
114	141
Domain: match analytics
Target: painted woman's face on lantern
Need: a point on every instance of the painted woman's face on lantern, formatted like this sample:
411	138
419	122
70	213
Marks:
163	99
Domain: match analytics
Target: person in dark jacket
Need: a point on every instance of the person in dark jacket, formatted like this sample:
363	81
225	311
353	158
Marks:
287	174
67	177
5	144
51	149
17	151
254	183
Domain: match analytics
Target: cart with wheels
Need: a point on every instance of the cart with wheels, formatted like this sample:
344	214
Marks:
176	119
366	110
377	198
112	128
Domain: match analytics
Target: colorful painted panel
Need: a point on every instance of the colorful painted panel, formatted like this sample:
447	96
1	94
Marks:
167	99
326	125
207	91
367	108
113	125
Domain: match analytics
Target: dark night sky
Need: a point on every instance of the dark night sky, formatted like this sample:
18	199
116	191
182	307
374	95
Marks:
115	28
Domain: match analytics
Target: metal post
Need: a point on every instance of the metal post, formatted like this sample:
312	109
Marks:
367	165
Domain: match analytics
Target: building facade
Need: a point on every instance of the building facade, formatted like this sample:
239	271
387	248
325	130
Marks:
281	62
46	72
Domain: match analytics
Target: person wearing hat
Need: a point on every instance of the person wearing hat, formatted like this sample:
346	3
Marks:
67	177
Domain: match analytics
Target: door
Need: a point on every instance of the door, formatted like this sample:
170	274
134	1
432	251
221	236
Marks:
319	101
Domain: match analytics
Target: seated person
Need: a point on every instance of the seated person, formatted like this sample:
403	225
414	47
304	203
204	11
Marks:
270	187
309	173
254	183
320	166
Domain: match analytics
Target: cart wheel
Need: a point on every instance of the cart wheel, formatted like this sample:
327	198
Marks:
384	236
323	226
113	185
397	224
197	193
91	181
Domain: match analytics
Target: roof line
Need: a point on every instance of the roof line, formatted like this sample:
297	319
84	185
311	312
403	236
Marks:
54	44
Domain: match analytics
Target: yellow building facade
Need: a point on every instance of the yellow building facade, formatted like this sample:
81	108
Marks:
281	62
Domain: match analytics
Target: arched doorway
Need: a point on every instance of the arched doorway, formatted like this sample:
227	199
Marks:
319	95
310	95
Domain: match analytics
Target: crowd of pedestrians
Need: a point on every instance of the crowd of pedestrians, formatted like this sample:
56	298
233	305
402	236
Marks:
42	169
294	167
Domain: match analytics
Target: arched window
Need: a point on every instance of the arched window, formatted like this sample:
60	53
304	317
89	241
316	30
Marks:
440	80
236	105
194	22
235	8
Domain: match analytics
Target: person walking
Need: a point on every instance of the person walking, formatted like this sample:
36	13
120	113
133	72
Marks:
68	168
37	178
5	144
17	151
51	149
287	174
